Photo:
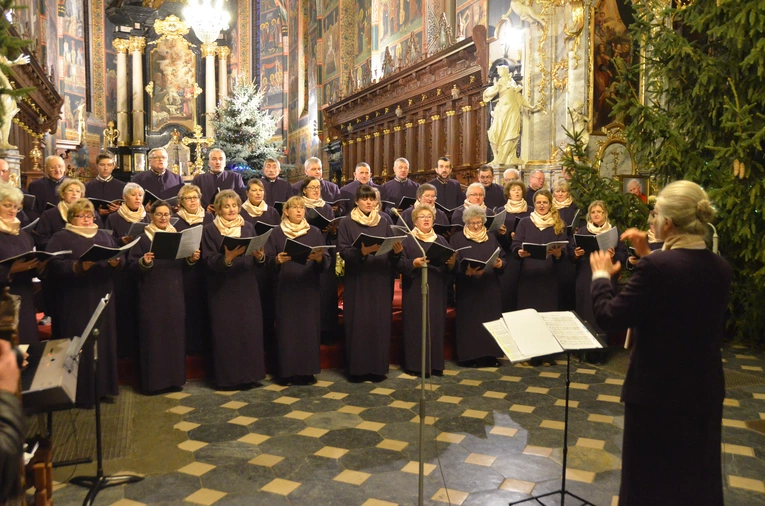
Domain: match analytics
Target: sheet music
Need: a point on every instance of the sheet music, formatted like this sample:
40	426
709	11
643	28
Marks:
499	220
190	240
387	245
257	242
531	334
504	339
569	331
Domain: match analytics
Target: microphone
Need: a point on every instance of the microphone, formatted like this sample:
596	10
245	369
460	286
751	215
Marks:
401	219
715	239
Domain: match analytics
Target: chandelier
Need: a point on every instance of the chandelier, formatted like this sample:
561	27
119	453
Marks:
207	19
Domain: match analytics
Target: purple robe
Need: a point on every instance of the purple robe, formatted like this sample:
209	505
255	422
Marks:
438	278
211	184
441	218
50	223
495	196
567	270
394	190
449	192
329	307
45	190
297	289
270	216
349	192
530	197
161	325
105	190
20	284
235	314
77	296
164	186
479	300
278	190
508	281
368	300
538	280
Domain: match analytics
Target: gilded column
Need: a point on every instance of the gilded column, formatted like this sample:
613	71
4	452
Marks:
121	45
468	135
223	53
377	152
398	146
422	146
346	155
136	46
452	138
410	151
208	52
368	149
350	163
437	139
387	158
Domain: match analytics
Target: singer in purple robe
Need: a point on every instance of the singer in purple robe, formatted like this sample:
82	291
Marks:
567	209
400	186
362	174
80	286
105	186
54	219
45	188
217	179
516	208
494	194
426	194
277	189
474	196
449	191
158	180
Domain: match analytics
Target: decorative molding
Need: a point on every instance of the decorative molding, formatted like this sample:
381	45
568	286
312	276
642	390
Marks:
223	52
172	27
137	44
121	45
209	49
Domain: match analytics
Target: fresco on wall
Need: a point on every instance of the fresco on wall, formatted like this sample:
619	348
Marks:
469	14
273	16
173	71
71	63
398	19
331	44
363	26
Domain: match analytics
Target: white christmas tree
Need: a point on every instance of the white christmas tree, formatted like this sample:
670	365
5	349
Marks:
243	130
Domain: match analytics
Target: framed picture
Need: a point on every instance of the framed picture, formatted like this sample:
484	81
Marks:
636	185
174	90
139	162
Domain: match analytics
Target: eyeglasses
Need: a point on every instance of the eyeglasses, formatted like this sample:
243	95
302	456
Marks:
163	215
84	216
159	158
312	187
192	197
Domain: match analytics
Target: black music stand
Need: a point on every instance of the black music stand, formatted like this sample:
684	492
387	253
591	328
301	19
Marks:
99	481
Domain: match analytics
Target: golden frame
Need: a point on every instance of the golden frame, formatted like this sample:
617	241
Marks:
612	165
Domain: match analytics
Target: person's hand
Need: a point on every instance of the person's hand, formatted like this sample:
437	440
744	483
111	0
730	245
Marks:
22	266
331	229
195	256
86	266
148	258
335	208
126	239
259	254
579	252
283	258
452	260
633	260
316	255
611	252
103	211
419	262
397	248
9	368
639	241
601	261
210	209
512	235
522	253
502	230
114	262
231	254
41	266
148	207
497	263
474	271
556	252
367	250
113	207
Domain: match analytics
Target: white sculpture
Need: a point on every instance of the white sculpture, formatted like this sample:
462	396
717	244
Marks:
10	108
505	128
580	120
524	11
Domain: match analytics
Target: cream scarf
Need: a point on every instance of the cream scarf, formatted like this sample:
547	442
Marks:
516	206
192	219
481	236
542	222
362	219
63	209
89	231
228	228
10	227
313	203
684	241
422	236
652	237
131	216
467	204
151	228
595	230
293	230
253	210
565	203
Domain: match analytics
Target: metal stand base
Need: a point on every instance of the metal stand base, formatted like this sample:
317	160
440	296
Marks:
98	483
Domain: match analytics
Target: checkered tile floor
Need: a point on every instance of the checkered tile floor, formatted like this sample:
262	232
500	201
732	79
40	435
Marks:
493	435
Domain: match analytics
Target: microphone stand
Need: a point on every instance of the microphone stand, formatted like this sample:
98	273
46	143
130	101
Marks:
424	290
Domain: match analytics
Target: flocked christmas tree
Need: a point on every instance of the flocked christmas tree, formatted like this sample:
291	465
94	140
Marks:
703	119
243	130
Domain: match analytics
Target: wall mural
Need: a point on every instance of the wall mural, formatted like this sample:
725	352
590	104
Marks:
469	14
273	17
331	44
172	67
71	64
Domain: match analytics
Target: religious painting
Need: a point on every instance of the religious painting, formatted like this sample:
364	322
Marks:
610	47
469	14
70	66
332	91
637	186
172	70
331	43
398	19
363	34
49	37
271	22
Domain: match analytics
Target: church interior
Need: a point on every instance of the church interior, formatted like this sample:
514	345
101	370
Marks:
348	81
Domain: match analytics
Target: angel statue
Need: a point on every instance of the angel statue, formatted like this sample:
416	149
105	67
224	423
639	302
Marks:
524	11
505	129
10	108
580	120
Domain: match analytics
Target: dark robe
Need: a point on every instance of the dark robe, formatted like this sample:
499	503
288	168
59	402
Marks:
125	294
164	186
349	192
45	190
106	190
538	281
441	218
298	317
479	300
23	218
50	223
278	190
438	278
329	190
270	216
235	314
449	193
508	281
675	303
393	190
329	307
211	184
567	270
77	296
20	283
495	196
161	325
368	300
195	298
457	214
584	278
530	197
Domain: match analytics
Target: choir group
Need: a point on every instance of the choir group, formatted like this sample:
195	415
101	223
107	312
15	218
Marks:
239	303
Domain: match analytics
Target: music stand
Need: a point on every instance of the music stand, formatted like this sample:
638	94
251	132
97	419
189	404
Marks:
99	481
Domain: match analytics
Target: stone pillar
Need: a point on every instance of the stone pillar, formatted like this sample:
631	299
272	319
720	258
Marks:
452	138
468	135
398	147
136	46
121	45
377	153
387	159
437	139
422	146
208	52
223	53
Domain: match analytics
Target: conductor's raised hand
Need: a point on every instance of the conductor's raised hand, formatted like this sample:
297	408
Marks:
638	239
231	254
601	261
9	368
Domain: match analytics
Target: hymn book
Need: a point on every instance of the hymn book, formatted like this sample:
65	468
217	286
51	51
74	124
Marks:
299	252
136	229
602	242
487	265
250	243
103	204
404	203
439	254
542	251
175	245
526	334
314	217
31	226
263	228
42	256
386	243
96	253
570	226
446	230
494	223
29	201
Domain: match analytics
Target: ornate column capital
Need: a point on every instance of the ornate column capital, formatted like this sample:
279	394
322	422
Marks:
137	44
223	52
121	45
209	49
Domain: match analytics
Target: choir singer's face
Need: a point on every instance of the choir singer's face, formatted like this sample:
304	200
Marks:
362	174
312	190
190	202
229	209
424	221
134	199
475	224
597	215
401	170
84	218
271	170
516	193
561	195
542	205
428	197
366	205
161	217
295	214
105	167
475	196
8	210
255	195
72	193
